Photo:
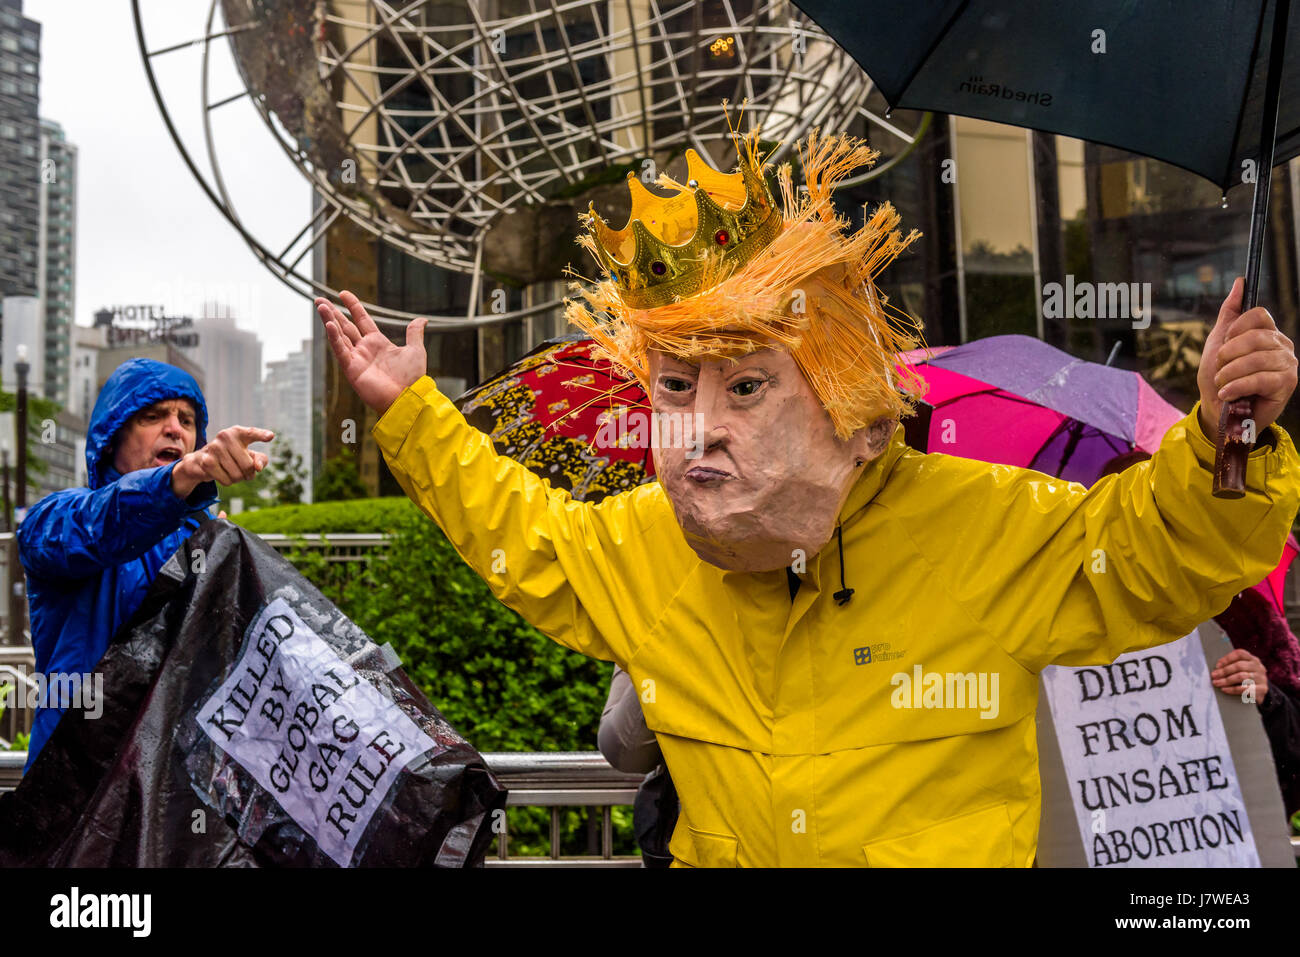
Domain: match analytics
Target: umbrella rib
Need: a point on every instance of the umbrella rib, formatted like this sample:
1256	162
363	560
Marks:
609	393
1228	171
1106	437
1072	443
1061	426
1008	396
938	37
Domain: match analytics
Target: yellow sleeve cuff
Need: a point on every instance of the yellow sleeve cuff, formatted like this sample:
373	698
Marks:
1270	454
396	422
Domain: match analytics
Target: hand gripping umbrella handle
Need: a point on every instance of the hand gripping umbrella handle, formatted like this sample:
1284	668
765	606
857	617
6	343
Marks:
1237	431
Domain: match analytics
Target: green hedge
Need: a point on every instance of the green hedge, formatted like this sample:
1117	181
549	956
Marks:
499	681
362	515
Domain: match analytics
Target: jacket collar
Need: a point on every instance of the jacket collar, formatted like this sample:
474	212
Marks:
874	475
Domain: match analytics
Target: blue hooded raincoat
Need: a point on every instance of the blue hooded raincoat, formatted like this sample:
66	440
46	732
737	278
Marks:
90	554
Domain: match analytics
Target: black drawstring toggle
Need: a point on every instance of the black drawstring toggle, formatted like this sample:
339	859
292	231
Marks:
845	593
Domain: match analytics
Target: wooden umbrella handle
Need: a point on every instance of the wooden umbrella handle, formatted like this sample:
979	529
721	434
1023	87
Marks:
1237	428
1237	435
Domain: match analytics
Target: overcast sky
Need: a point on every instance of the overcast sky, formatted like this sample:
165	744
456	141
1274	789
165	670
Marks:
146	232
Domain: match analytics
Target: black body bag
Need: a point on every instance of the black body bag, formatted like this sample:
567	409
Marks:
246	722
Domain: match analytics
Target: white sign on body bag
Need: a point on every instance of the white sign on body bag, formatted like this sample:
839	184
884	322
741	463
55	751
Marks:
310	730
1150	773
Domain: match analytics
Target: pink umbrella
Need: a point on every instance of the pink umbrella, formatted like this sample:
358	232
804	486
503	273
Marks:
1016	400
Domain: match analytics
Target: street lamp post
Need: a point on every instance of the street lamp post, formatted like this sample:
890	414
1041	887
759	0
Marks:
17	596
11	547
4	466
22	367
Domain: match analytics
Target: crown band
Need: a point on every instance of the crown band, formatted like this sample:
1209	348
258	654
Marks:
721	241
695	280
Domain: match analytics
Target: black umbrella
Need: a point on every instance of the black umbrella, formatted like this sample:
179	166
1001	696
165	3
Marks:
1196	85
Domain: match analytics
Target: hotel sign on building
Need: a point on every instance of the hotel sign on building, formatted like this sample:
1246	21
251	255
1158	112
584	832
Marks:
139	325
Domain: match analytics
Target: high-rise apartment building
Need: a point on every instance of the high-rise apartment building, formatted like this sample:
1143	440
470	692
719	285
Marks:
286	406
57	262
37	200
20	144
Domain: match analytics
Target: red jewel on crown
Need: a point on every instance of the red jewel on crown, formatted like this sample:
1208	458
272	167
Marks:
721	237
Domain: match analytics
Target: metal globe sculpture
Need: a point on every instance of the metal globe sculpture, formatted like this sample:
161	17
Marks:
438	125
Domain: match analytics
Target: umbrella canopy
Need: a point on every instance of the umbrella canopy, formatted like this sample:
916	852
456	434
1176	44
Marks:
551	410
1274	585
1183	83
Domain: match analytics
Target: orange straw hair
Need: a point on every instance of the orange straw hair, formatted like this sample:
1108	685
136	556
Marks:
811	291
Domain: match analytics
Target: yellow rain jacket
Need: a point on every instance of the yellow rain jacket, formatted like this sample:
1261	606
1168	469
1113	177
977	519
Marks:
789	732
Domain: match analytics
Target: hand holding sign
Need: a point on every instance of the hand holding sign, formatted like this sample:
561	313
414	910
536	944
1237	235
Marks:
1238	671
377	369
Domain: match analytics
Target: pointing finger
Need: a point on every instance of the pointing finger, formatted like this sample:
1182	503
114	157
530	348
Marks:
249	433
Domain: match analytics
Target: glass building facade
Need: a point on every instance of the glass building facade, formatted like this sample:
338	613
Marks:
58	261
20	145
1015	220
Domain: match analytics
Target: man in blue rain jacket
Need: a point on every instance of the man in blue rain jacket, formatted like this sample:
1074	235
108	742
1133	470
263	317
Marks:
90	554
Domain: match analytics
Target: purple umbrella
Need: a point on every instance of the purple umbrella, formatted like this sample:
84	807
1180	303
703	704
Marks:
1104	411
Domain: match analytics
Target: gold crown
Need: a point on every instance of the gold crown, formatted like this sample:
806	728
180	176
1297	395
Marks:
724	218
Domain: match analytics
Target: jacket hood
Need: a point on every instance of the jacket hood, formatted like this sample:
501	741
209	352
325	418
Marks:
135	384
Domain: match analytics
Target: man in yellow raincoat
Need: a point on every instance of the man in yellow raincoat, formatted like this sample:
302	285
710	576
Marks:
836	639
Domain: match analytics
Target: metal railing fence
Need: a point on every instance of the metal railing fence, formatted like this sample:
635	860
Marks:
549	779
546	779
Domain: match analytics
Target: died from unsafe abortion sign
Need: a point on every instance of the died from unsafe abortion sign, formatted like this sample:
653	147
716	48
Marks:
310	730
1150	773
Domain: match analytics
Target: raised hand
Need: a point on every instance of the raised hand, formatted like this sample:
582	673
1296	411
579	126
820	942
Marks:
378	369
227	459
1245	355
